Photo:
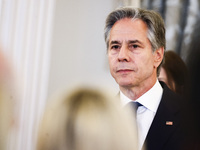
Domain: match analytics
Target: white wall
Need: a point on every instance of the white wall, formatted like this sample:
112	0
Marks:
78	47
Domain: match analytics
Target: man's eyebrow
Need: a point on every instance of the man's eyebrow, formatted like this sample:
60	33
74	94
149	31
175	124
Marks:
134	41
115	42
130	41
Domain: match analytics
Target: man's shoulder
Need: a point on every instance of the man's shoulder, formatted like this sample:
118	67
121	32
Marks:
172	100
168	93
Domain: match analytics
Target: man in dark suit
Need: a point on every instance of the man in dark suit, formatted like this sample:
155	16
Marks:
135	41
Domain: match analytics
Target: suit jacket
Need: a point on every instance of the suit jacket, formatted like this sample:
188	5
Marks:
168	130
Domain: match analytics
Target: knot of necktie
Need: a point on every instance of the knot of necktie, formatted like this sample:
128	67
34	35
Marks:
134	106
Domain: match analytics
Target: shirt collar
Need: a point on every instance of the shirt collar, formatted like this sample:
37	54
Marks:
150	99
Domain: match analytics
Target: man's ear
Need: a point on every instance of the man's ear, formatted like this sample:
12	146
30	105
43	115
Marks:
158	56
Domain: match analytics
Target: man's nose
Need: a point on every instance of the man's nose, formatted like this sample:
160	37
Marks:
123	54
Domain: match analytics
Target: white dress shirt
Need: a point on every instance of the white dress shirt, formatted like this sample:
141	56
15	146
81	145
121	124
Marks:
145	114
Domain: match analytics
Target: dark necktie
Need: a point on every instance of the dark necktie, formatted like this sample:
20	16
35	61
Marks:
134	106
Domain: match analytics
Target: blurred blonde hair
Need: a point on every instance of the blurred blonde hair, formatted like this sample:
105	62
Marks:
87	119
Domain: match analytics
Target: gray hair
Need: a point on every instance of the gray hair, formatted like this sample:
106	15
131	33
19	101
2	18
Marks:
154	22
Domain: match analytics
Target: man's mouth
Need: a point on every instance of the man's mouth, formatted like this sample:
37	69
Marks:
124	70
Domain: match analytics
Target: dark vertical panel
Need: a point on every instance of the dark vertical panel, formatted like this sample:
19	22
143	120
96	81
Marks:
163	8
150	6
183	21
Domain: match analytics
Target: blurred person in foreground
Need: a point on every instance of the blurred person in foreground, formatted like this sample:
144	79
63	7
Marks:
6	101
135	41
86	119
174	73
6	117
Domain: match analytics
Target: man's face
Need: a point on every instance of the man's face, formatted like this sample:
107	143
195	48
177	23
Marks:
131	60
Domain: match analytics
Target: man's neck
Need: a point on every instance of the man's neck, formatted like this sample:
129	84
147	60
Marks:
135	92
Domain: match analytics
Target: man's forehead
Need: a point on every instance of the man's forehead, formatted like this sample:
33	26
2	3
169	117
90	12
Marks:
127	27
129	22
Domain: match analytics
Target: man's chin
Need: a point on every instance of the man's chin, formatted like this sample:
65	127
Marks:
125	84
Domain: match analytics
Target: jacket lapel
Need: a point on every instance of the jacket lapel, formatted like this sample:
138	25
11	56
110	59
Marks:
165	122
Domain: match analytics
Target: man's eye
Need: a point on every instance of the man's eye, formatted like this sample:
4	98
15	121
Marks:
114	47
135	46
